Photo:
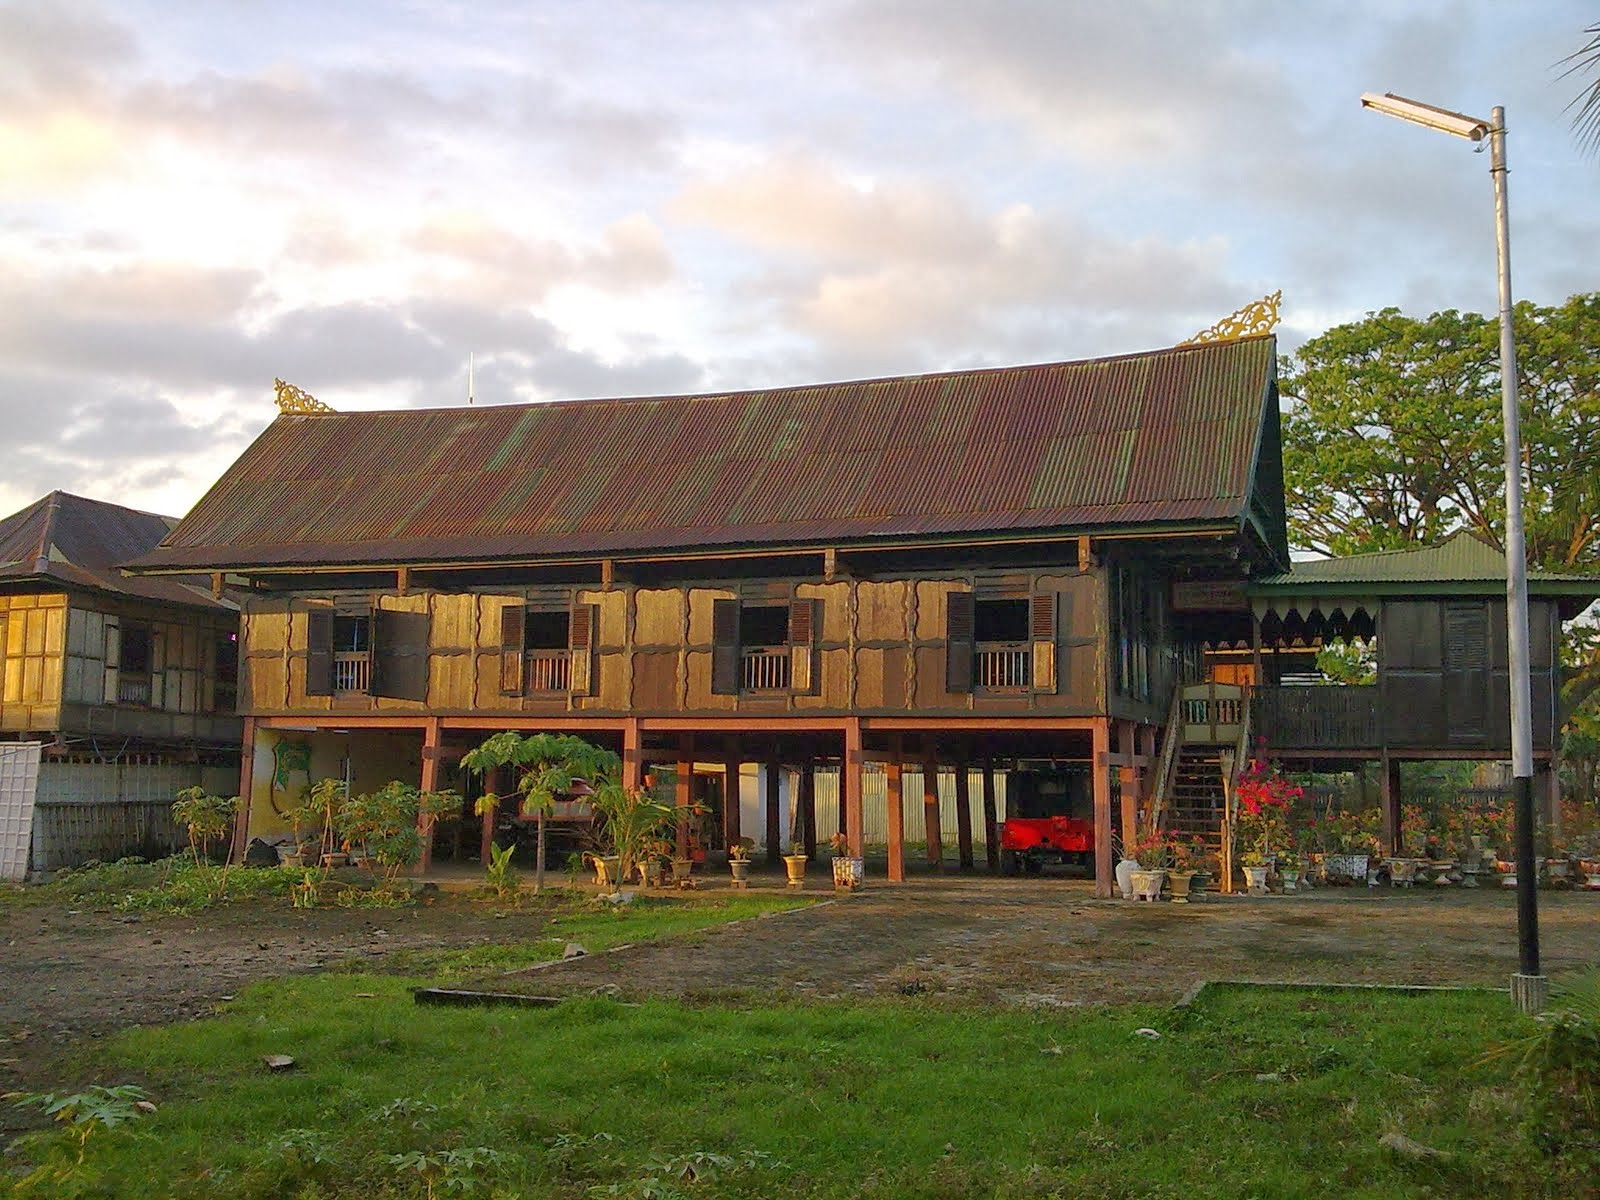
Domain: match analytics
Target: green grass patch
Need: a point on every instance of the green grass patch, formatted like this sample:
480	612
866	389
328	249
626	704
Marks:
176	885
592	924
1249	1093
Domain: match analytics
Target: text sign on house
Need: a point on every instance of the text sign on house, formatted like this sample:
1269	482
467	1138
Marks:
1220	595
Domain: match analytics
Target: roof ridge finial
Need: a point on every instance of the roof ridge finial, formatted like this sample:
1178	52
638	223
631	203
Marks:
1257	317
296	401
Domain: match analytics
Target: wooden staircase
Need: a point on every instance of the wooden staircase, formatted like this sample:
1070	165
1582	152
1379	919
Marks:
1207	736
1195	798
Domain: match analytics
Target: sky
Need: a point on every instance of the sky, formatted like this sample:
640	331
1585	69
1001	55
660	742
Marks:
640	197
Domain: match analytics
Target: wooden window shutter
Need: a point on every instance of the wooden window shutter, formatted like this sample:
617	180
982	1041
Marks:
399	654
1042	632
319	652
113	659
959	649
803	675
582	639
513	644
725	663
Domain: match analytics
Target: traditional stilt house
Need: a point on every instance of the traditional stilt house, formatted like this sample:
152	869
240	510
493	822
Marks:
125	685
986	571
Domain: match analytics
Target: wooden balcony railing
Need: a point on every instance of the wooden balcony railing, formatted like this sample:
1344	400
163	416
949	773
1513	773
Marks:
352	671
765	669
1002	666
133	691
549	670
1212	712
1333	717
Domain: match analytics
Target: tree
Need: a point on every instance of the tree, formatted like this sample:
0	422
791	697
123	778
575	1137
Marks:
1392	438
548	764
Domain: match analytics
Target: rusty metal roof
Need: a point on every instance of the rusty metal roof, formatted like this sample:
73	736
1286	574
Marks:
1167	438
64	540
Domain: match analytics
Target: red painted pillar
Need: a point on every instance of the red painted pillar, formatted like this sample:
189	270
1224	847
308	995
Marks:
1104	868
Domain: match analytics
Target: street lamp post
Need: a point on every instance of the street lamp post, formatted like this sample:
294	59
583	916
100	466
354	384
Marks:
1529	988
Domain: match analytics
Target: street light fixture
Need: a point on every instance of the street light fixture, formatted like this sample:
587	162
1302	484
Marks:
1529	988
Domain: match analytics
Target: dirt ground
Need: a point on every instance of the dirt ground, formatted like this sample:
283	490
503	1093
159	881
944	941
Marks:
73	975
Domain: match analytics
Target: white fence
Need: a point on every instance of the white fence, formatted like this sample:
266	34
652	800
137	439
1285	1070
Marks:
105	811
19	773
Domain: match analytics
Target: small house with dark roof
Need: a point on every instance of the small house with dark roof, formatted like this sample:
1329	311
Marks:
127	683
1006	576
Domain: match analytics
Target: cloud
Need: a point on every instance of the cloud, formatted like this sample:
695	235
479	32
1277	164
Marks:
893	264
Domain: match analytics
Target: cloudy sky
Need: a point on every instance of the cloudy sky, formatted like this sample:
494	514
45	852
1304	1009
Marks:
626	197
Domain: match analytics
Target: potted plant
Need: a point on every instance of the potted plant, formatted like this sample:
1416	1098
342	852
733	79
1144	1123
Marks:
794	862
1186	855
631	829
1289	870
739	861
300	816
848	870
1153	852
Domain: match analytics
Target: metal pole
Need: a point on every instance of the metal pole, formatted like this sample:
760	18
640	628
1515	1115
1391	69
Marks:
1528	987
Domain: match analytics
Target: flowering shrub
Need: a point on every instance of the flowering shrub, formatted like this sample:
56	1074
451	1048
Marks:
1265	796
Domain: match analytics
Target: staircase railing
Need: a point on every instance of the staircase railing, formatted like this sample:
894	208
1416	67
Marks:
1167	763
1230	791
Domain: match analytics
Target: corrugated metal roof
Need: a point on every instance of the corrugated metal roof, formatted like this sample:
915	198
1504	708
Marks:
70	541
1167	437
1463	560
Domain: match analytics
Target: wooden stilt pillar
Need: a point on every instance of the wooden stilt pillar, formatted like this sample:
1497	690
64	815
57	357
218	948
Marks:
991	819
1145	743
1127	785
850	789
684	798
806	816
632	758
1103	866
1390	783
432	751
731	766
774	813
247	764
963	813
1547	794
930	806
895	816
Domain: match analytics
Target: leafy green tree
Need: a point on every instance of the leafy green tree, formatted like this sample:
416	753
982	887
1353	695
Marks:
1392	438
547	764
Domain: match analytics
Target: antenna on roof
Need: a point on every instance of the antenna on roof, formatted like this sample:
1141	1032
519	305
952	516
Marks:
469	376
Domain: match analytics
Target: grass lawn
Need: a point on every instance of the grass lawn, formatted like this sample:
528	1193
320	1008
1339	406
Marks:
1247	1093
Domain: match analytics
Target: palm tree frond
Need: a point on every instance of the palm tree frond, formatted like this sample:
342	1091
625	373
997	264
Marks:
1585	106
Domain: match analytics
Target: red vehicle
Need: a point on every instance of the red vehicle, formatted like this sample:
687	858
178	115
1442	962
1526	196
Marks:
1047	820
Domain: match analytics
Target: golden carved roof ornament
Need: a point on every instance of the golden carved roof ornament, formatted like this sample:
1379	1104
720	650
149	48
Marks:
1257	317
296	402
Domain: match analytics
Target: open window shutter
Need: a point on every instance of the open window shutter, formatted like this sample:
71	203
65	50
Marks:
1042	631
319	652
959	650
513	642
803	646
158	672
399	654
582	639
725	647
113	659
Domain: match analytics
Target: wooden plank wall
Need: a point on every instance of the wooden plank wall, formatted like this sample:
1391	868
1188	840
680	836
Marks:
879	648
